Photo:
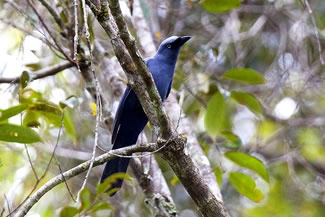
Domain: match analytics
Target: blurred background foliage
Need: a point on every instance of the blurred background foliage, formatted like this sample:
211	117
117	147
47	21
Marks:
251	82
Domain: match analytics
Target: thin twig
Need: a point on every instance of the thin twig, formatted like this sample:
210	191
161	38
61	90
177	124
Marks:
50	33
316	32
76	37
8	205
98	100
54	14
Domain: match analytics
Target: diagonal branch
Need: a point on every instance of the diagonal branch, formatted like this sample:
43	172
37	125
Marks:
34	198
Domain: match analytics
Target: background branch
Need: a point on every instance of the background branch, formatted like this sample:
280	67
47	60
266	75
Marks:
42	73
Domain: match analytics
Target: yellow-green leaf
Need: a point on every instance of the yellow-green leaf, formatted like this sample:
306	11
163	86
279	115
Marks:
69	125
101	206
15	133
218	173
12	111
85	199
215	114
174	180
93	107
31	119
232	140
244	75
249	162
49	111
25	78
29	96
246	186
217	6
103	187
69	211
248	100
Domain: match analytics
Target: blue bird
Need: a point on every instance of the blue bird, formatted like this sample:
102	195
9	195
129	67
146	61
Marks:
130	118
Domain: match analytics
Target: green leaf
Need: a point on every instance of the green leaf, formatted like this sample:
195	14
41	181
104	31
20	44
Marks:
217	6
174	180
71	102
34	66
101	206
233	141
246	186
244	75
85	199
105	186
69	125
49	111
69	211
248	100
31	119
63	17
29	96
249	162
215	114
24	79
12	111
218	173
15	133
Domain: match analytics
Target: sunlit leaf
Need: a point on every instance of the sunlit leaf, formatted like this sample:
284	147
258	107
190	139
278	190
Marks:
25	78
217	6
215	114
246	186
15	133
31	119
85	199
101	206
218	173
16	37
232	140
248	100
69	125
174	180
93	107
69	211
12	111
249	162
244	75
29	96
103	187
34	66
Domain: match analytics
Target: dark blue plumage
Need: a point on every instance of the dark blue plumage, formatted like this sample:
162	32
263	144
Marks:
130	118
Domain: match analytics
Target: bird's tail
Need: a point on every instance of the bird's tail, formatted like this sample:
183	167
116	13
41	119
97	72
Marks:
117	165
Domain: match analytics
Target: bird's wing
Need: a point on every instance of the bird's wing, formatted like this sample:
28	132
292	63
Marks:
169	88
116	124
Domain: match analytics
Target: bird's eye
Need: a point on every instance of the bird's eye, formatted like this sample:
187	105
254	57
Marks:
169	46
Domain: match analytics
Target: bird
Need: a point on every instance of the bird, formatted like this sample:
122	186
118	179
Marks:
130	119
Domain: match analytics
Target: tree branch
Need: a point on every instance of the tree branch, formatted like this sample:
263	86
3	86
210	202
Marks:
34	198
42	73
176	154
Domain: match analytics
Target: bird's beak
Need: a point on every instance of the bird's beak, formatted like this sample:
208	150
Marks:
185	39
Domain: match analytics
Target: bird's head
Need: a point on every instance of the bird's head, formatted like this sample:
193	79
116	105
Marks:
170	47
